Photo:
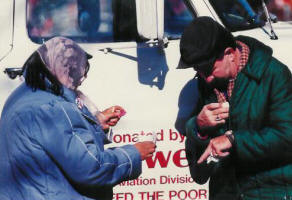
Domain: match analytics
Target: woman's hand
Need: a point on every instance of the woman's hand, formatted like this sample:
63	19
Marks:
110	116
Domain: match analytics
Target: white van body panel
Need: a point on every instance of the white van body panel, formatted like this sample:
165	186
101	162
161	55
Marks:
149	97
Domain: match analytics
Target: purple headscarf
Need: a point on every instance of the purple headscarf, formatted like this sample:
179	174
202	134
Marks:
65	60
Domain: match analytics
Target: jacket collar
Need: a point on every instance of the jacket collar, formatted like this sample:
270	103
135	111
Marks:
260	56
69	94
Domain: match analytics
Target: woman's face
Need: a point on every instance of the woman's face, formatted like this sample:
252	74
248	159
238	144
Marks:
81	75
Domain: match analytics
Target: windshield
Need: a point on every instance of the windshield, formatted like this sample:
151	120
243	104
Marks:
236	14
97	20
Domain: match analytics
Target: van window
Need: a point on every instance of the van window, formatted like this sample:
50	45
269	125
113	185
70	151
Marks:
176	17
96	20
233	15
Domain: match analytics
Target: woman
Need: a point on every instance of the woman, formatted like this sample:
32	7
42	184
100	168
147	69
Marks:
51	146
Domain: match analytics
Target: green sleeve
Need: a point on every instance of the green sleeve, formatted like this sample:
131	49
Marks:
272	143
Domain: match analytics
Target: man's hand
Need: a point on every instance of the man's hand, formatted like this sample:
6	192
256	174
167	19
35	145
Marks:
110	116
217	147
146	149
212	115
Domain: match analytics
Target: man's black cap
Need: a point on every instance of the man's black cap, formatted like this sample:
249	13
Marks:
202	42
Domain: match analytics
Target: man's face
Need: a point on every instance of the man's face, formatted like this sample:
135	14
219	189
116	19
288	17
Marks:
220	73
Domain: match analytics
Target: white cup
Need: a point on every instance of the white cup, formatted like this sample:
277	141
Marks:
147	136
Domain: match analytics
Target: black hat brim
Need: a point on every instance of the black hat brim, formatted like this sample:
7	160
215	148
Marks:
183	65
205	65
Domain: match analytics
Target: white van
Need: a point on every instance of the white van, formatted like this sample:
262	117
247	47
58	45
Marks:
135	48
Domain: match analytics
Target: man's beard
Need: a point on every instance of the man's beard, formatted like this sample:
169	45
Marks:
219	83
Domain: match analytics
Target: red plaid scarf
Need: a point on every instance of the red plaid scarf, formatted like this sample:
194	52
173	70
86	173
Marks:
244	50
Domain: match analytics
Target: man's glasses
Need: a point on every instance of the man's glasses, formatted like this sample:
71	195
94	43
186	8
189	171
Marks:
204	71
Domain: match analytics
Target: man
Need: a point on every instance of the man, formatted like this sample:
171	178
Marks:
52	146
244	148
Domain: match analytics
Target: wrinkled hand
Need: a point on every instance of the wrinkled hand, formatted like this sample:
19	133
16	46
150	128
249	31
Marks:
218	147
146	149
212	115
110	116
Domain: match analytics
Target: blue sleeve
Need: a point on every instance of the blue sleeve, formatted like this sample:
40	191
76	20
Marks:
66	137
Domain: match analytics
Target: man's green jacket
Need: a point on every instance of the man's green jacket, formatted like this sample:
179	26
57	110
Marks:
259	166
